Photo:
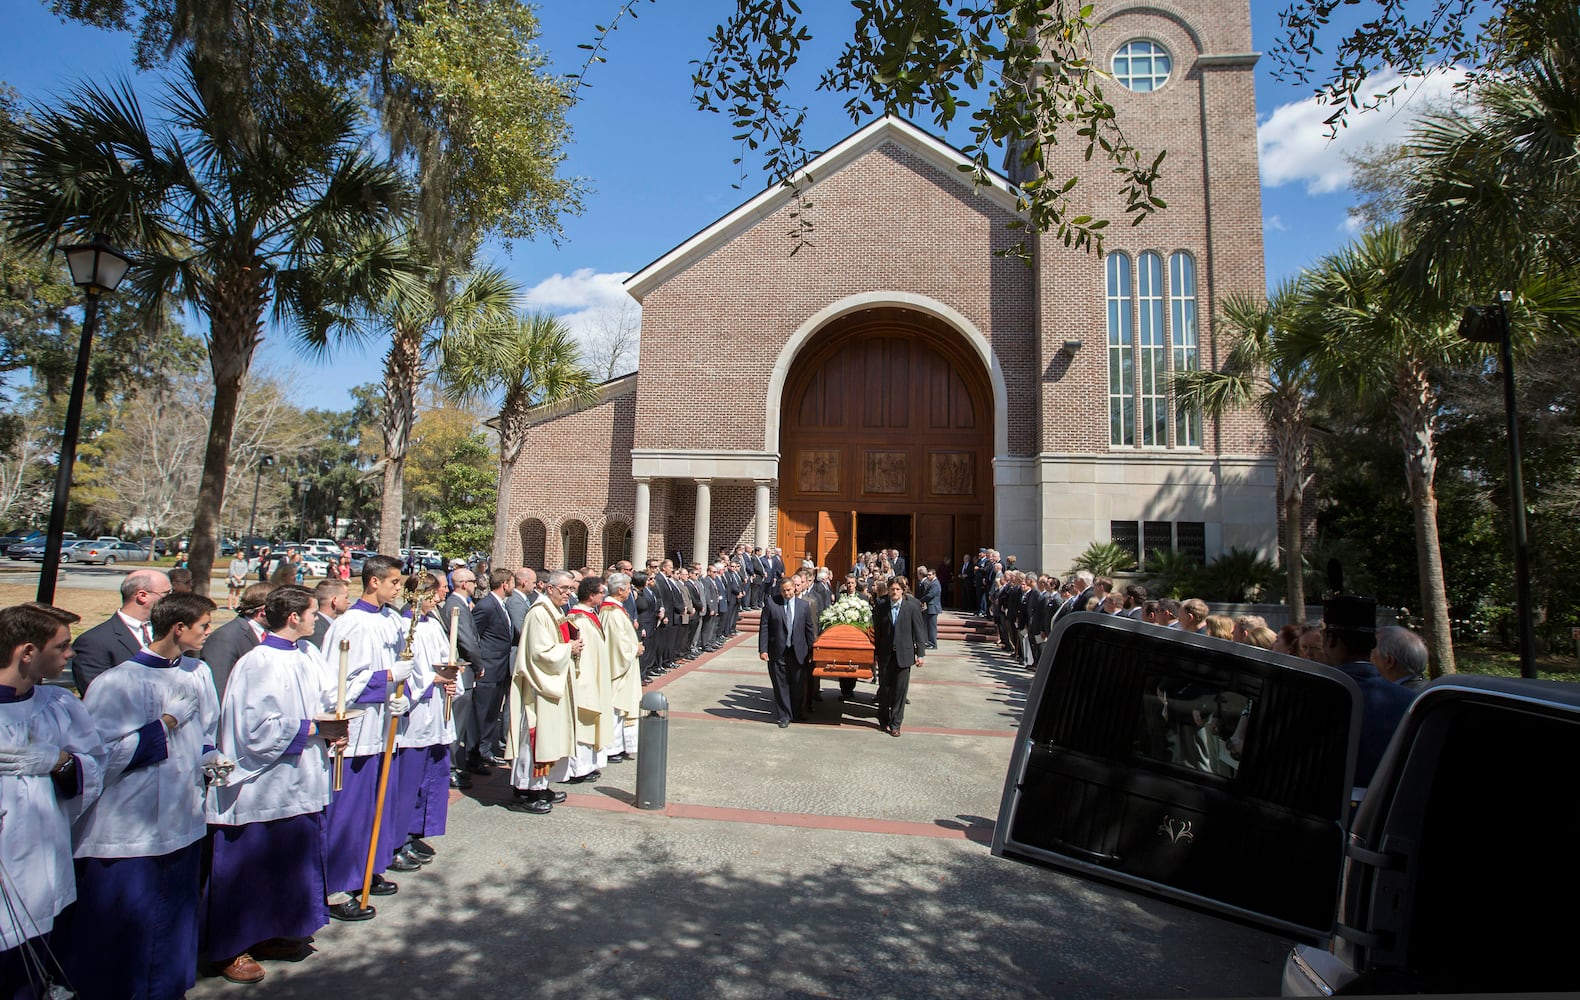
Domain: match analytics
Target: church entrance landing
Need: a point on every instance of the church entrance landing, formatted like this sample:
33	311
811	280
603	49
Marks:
886	442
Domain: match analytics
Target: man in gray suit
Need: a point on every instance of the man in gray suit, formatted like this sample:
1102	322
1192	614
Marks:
520	599
460	599
237	637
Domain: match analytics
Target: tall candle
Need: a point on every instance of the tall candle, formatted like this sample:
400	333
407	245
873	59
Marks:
340	694
455	617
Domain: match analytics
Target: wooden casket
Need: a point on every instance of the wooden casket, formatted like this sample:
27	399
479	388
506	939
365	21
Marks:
843	651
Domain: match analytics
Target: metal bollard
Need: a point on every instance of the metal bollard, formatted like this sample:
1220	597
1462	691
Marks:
652	761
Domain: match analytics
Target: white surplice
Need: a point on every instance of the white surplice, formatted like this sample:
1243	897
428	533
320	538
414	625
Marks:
156	808
376	638
271	696
35	833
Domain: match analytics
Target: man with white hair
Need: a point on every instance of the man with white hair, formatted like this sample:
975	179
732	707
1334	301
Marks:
623	652
1400	656
116	639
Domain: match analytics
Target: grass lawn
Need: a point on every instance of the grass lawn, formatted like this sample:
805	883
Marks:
1503	663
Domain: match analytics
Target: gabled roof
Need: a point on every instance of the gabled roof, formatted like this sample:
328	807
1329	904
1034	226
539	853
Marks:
902	133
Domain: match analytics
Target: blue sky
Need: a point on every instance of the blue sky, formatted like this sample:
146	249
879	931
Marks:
658	170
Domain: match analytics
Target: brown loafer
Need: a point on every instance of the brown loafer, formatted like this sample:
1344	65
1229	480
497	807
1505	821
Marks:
242	969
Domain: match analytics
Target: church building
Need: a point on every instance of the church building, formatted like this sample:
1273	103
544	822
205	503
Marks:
898	383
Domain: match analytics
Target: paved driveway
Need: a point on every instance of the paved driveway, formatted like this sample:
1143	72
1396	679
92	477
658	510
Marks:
826	859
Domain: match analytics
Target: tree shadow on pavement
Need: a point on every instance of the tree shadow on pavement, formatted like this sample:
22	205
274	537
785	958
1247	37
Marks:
643	921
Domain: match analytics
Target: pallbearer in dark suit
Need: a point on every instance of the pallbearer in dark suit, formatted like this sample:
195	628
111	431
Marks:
495	655
784	641
114	641
929	594
902	644
237	637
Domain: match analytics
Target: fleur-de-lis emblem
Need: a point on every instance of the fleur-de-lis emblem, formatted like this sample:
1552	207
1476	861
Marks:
1177	830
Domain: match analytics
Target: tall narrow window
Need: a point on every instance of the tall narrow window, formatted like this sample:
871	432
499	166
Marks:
1187	349
1153	351
1121	354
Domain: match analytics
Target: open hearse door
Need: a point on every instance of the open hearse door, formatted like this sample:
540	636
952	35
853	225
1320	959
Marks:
1219	776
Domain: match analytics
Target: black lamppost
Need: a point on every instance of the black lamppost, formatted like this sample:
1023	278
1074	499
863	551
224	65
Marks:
96	268
265	462
1490	325
301	530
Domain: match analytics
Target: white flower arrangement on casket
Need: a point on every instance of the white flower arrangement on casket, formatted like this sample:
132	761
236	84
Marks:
848	610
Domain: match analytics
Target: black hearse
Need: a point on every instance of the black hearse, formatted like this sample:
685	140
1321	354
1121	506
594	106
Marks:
1220	776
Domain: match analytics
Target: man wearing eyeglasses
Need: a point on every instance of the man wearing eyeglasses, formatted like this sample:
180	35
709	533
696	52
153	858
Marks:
127	631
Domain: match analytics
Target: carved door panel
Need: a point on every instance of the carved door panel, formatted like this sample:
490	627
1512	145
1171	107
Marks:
834	538
797	537
935	539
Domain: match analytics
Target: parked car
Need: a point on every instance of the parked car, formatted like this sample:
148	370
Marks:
358	557
157	544
69	549
1219	776
328	543
34	548
109	555
6	541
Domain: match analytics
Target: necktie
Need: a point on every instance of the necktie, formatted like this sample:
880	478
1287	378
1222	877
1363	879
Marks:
147	631
790	617
894	614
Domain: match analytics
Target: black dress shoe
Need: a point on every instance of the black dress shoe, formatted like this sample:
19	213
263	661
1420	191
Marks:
894	731
351	910
548	795
402	863
410	857
383	886
477	767
536	806
493	761
420	847
459	778
617	758
784	723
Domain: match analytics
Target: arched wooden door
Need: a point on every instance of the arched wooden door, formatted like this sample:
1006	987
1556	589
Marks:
886	441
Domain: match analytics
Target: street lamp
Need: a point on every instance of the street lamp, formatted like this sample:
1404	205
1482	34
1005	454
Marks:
1490	325
265	462
301	530
96	268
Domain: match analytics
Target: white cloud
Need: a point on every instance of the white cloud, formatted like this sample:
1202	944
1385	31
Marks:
582	298
1294	144
1274	224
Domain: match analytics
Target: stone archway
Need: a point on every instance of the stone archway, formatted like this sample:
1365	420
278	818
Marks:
886	441
616	542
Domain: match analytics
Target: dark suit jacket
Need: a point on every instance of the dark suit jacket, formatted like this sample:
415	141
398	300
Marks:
100	648
823	596
668	592
224	646
494	641
902	642
929	594
320	629
466	642
773	637
647	603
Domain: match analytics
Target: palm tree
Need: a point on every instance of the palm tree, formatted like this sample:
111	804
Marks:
231	210
1377	339
1266	369
530	361
420	315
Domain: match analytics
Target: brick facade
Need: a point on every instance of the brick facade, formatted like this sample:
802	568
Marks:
895	225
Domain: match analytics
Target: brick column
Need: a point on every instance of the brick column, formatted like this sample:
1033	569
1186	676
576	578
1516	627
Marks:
639	526
699	537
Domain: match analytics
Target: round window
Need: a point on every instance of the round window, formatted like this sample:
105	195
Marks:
1142	66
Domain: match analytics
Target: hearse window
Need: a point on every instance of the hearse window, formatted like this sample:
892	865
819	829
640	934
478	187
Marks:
1194	724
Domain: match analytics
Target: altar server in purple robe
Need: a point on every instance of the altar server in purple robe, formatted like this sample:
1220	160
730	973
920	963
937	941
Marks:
266	892
375	678
425	734
134	930
51	768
